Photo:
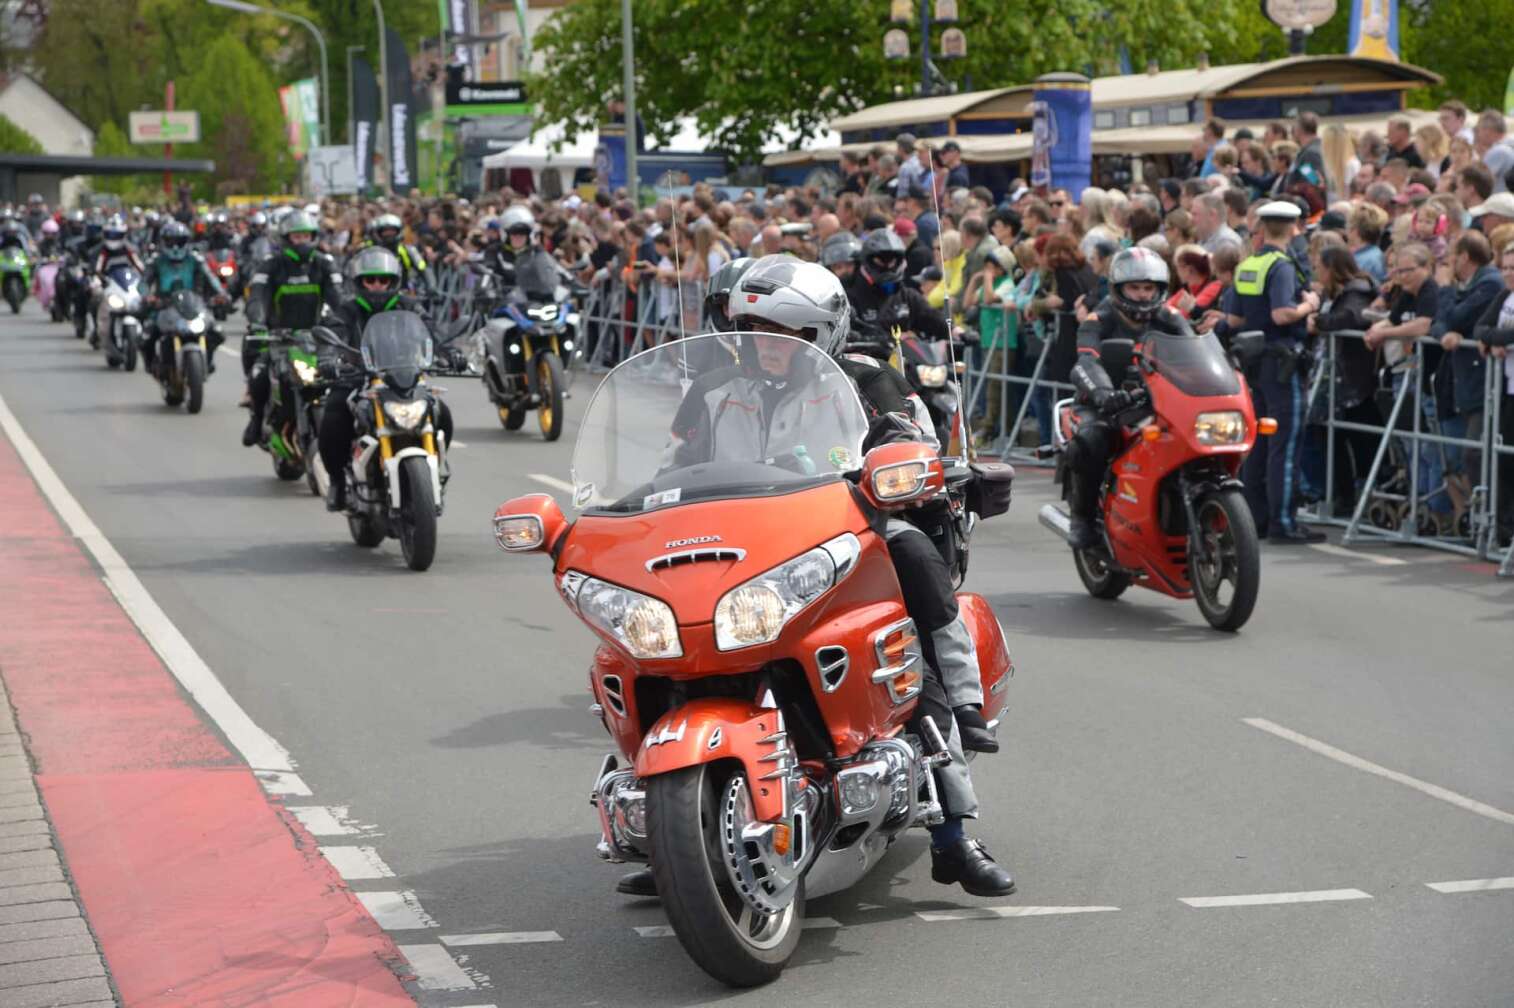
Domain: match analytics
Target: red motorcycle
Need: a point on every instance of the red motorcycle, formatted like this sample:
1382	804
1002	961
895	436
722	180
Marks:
758	669
223	263
1171	514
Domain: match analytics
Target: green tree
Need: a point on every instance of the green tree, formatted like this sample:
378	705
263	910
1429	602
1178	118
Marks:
15	140
1440	36
241	122
111	142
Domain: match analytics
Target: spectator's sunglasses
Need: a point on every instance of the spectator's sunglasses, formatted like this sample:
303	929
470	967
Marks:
1057	202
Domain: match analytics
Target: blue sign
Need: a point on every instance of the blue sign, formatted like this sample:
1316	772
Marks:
610	157
1062	129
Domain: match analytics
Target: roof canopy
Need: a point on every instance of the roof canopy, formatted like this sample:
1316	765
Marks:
62	164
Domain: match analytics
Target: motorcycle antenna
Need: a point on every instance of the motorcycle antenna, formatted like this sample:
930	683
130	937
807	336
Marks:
684	379
959	424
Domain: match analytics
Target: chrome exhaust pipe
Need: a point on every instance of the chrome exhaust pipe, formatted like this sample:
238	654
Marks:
1055	519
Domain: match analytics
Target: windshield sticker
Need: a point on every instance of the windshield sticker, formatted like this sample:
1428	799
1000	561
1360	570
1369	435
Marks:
840	457
583	495
651	501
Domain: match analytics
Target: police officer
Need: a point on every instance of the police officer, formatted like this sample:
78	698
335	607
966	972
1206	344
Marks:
1267	296
387	233
881	302
287	292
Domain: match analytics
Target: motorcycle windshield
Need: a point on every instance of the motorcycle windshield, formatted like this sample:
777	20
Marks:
124	277
1196	363
717	415
187	303
395	341
537	277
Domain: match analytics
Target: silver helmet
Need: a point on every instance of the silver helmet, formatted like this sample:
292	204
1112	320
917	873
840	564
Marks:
801	298
841	247
518	219
1138	265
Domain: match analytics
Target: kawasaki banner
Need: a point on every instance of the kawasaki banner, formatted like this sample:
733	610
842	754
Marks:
365	121
401	116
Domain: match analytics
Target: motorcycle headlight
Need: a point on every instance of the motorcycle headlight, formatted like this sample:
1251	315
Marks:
407	414
305	371
931	375
197	325
1226	427
226	271
116	302
755	612
643	625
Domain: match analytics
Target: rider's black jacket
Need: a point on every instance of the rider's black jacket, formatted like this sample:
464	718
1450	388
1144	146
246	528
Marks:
287	291
875	314
1088	375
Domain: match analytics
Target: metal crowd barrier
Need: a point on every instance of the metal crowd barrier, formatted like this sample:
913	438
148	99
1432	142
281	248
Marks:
982	382
1391	503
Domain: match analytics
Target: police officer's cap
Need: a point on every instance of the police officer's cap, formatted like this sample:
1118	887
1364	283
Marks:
1279	210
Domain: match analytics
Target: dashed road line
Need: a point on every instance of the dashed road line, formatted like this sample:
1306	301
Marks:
1472	885
357	863
997	912
501	938
553	482
655	931
435	969
1356	762
396	911
1276	898
324	820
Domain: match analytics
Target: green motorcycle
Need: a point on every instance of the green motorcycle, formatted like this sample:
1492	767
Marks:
15	276
293	418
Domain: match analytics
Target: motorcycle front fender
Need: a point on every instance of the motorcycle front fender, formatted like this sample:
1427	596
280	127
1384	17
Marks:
392	473
711	729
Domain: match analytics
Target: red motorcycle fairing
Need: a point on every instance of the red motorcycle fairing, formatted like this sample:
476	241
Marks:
714	728
994	666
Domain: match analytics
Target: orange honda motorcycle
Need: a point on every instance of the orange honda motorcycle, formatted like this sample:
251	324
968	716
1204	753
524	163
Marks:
758	673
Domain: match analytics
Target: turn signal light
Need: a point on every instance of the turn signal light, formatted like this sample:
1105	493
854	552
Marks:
1150	432
782	838
1266	425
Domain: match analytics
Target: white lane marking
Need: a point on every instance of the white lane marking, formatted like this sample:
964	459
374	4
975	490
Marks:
993	913
258	748
1350	554
357	862
1270	899
277	782
1472	885
656	931
1340	756
553	482
396	911
501	938
324	820
435	969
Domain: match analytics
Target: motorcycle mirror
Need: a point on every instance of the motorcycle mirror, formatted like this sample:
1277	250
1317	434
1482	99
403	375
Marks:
528	524
906	472
1116	355
329	338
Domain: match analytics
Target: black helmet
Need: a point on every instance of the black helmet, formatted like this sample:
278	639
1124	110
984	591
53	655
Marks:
718	296
883	259
174	240
840	247
1137	265
376	261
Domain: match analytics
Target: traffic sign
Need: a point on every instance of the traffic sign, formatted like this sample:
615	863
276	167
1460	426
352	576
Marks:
331	170
165	127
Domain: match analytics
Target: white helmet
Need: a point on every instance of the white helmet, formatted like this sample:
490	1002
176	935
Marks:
518	218
802	298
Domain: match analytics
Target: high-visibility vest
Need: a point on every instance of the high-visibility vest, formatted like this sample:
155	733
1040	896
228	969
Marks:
1251	274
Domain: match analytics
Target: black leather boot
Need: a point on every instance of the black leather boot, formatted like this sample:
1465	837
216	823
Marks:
974	730
638	883
336	494
1081	535
967	861
253	431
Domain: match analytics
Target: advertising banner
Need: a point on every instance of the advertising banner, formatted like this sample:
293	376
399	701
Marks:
365	121
401	116
1062	125
1374	29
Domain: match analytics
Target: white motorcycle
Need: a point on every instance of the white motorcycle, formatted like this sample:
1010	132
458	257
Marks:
118	316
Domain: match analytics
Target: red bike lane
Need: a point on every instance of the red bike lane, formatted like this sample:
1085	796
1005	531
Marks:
200	888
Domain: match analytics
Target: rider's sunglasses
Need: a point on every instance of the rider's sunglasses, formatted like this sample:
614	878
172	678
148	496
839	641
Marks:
375	282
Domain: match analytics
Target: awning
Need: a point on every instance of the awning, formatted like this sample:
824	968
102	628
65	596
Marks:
71	164
536	152
914	111
1179	139
976	149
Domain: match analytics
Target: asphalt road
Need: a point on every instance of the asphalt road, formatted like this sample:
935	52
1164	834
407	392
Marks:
445	712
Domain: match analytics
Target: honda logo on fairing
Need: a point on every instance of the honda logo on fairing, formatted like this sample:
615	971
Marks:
692	541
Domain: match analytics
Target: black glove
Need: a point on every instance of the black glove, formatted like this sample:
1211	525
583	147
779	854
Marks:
1111	401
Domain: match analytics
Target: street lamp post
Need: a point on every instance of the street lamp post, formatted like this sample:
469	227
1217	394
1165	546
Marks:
953	45
320	41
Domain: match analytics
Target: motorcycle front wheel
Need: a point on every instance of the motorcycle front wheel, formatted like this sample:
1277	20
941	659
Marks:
1225	566
417	514
128	351
717	928
194	381
549	387
1098	577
